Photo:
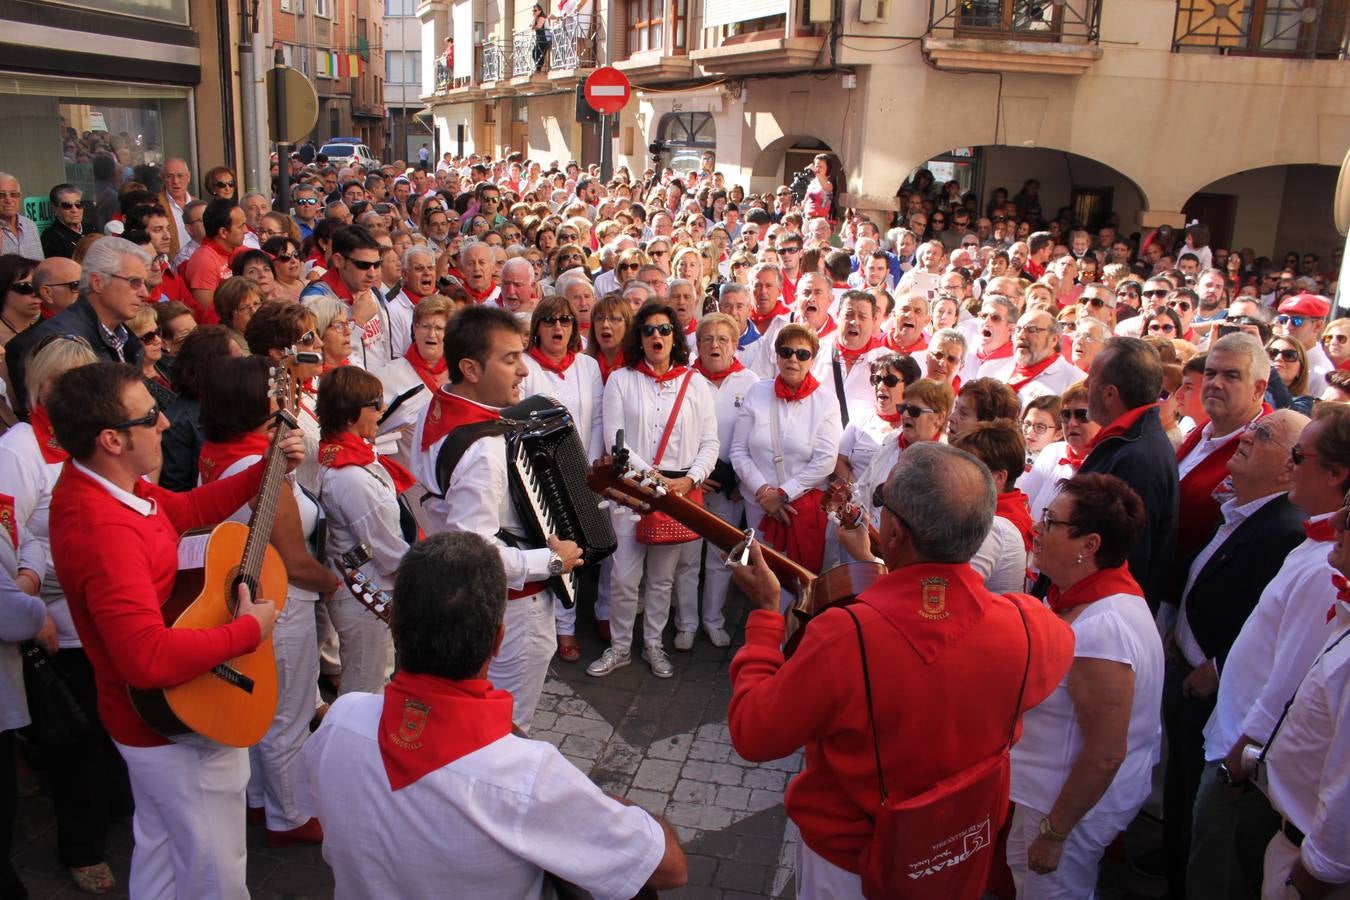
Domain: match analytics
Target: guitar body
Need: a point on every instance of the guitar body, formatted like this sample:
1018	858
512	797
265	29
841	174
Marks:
215	705
839	586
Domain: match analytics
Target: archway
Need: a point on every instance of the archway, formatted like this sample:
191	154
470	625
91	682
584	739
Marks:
1273	210
782	159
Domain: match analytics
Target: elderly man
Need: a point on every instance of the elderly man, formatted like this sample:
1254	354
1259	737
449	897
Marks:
993	336
1270	657
193	215
938	505
1258	527
67	228
18	233
476	273
518	293
734	300
1098	302
255	206
175	199
305	208
907	332
765	285
419	281
1088	337
1236	372
1037	367
1302	318
848	351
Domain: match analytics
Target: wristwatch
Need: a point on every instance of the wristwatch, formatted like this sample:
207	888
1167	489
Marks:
1226	777
555	564
1050	833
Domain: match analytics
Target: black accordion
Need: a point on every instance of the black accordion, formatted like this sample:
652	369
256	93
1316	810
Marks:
547	469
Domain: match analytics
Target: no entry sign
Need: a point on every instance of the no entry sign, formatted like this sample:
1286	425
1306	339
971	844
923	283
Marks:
607	90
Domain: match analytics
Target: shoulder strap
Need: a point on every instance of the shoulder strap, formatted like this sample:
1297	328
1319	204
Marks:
838	368
1026	671
670	422
776	433
1285	712
457	443
867	690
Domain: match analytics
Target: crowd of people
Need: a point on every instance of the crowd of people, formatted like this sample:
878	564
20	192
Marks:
1111	468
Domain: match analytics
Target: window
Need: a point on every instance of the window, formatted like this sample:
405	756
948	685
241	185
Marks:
400	8
403	66
645	20
323	8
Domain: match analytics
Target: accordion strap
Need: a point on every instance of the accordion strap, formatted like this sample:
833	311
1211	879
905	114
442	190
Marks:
458	442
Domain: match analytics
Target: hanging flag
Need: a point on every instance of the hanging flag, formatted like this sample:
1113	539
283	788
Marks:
355	64
344	65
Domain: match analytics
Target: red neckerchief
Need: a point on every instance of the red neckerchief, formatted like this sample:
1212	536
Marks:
718	377
414	295
830	325
891	419
1012	505
1343	365
429	722
788	294
425	370
317	258
1118	427
46	440
1342	593
691	327
1189	335
1322	531
1025	375
606	366
762	322
328	367
1101	583
672	372
338	286
216	457
478	297
888	342
804	390
1035	270
1004	352
1071	457
449	411
348	449
557	368
850	356
931	605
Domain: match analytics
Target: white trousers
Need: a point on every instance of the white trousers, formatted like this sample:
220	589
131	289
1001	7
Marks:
659	562
820	879
716	576
1079	861
1281	854
365	645
327	636
521	665
189	822
275	760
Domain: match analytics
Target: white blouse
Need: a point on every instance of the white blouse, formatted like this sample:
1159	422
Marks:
28	479
808	432
641	406
581	391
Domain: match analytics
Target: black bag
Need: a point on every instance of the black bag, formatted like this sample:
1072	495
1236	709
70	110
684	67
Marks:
725	475
58	718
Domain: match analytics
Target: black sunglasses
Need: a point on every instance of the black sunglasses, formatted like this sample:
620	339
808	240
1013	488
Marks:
23	287
307	201
567	320
223	184
377	404
365	265
1068	415
890	379
801	353
664	329
146	421
72	204
1287	354
152	334
289	257
909	409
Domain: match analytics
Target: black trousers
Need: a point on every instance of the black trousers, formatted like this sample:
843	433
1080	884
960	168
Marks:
1184	719
10	885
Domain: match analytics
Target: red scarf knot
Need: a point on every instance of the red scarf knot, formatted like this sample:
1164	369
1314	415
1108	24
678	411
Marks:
889	418
1004	352
1319	531
46	439
348	449
850	357
449	411
547	363
919	345
429	722
670	374
1025	375
1012	505
802	391
718	377
1072	458
425	370
607	365
1102	583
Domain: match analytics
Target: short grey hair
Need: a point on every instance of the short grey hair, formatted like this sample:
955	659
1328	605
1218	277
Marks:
1012	310
732	287
948	336
945	499
326	309
635	285
469	245
766	267
565	280
1103	330
415	251
516	262
681	282
1240	343
105	257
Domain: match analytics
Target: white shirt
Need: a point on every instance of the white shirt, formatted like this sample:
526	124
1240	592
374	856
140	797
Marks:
1308	767
877	471
485	826
808	440
862	439
1207	445
176	210
1118	628
1319	366
399	377
728	397
28	480
361	506
581	391
641	406
1002	558
1057	378
1273	650
1041	484
760	356
400	309
859	395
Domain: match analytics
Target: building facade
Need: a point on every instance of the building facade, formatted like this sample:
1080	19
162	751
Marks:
405	129
1158	110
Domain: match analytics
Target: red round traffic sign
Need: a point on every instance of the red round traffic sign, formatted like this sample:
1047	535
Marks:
607	90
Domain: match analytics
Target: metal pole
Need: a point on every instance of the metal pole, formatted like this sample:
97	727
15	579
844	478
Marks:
248	97
282	201
606	151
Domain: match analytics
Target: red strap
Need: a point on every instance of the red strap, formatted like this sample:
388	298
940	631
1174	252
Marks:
670	423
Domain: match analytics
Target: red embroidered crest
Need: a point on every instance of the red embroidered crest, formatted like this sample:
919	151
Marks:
933	599
327	453
415	714
7	520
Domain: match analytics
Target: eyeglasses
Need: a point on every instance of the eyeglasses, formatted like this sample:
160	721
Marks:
287	257
1287	354
665	329
1050	521
1159	293
365	265
991	317
1179	305
607	320
151	335
890	379
12	195
1161	328
1095	302
307	201
1086	337
24	288
1032	330
789	249
715	339
568	320
432	327
146	421
1068	415
1296	321
308	339
940	357
377	404
72	204
1335	338
1035	427
68	285
1264	433
909	409
579	258
136	284
1299	455
223	184
801	353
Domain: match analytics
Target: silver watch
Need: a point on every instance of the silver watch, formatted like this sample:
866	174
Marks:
555	564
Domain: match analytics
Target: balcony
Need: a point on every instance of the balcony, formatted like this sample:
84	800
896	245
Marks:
494	67
456	90
1300	29
764	51
1044	37
572	47
528	63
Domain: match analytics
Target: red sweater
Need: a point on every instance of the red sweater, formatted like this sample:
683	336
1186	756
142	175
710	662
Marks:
117	567
942	703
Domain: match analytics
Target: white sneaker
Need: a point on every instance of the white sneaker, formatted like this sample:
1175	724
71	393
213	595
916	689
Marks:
718	637
610	660
656	657
684	640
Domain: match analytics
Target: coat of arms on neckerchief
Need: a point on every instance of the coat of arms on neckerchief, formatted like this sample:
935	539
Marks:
933	599
415	714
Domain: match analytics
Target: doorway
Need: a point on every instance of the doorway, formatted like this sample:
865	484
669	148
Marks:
1218	211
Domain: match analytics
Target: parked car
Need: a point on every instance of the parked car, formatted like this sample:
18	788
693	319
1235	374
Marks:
349	152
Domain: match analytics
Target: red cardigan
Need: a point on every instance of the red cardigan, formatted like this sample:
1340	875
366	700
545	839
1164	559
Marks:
942	702
117	567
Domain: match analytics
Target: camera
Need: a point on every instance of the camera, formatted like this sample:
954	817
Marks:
658	151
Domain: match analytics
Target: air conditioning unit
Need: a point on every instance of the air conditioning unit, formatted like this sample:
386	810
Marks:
874	10
285	5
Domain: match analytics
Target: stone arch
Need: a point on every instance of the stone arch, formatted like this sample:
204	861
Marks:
1273	209
768	170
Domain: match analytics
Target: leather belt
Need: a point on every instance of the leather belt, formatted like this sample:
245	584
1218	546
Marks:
1291	831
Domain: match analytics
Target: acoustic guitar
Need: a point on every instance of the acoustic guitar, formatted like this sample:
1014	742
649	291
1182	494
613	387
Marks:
363	587
235	702
620	482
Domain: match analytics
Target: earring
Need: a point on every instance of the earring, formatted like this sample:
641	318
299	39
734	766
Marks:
1080	559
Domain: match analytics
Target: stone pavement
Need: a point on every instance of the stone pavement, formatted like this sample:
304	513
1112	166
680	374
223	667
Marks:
662	743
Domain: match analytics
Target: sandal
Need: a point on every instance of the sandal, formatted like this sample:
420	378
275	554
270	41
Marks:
568	648
96	879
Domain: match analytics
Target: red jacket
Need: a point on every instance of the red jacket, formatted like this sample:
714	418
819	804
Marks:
117	567
942	703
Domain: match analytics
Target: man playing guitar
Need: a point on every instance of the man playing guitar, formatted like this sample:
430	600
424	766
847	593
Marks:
114	545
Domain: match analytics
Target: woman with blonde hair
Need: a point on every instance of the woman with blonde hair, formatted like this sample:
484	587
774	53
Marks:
145	325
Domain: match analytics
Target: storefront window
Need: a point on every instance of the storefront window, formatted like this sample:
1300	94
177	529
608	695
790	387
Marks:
175	11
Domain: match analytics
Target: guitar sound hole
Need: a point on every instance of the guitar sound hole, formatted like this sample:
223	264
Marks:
237	578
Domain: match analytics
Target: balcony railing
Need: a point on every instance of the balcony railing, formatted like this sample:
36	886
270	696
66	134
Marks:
526	58
573	42
1072	21
1308	29
494	61
446	80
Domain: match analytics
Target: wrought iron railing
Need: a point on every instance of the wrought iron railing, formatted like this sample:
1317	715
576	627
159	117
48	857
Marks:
494	61
446	80
1309	29
573	44
526	58
1075	21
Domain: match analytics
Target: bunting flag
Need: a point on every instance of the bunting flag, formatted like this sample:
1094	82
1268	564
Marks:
344	65
355	61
